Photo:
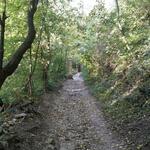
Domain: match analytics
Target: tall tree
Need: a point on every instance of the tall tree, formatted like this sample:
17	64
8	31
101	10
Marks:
14	61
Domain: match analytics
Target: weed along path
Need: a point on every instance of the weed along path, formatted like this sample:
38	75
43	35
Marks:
71	120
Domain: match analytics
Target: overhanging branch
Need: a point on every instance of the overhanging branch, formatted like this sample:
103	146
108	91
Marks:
16	58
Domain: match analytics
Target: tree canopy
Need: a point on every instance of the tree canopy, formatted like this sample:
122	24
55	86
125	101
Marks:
37	38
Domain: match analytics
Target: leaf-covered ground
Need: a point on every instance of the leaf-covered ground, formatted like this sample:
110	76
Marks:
70	119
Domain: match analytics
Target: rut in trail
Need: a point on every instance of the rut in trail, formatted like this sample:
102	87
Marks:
72	120
76	122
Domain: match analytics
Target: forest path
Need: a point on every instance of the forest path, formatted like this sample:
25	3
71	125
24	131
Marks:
74	122
71	119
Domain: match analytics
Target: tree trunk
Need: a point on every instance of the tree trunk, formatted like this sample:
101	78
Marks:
13	63
2	78
2	35
45	77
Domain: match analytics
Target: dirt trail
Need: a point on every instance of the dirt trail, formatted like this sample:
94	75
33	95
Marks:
71	121
75	122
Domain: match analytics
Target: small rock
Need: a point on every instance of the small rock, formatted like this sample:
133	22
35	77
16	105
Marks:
14	120
51	147
18	116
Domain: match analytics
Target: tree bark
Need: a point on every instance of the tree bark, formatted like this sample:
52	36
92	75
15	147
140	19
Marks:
117	6
13	63
2	35
45	76
2	78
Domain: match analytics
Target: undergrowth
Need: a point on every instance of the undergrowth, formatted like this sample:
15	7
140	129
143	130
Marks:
126	102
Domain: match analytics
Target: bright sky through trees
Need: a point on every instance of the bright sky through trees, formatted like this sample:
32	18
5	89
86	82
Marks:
110	4
89	4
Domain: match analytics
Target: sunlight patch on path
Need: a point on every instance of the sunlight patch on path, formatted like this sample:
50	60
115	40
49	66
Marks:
78	77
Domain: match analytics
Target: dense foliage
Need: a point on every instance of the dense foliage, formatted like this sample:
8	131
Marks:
44	64
113	47
116	62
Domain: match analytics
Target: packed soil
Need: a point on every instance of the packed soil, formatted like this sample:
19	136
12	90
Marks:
69	119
